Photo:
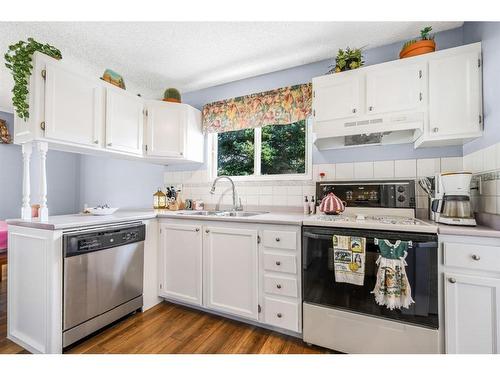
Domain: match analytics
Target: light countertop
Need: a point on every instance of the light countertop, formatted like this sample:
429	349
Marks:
64	222
477	231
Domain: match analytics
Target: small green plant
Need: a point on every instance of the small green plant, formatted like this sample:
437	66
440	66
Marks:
347	59
424	35
18	61
172	93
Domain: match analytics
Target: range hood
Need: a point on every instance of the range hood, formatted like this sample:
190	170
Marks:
382	130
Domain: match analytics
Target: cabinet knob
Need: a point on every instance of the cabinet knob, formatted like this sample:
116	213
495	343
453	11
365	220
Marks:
278	263
354	110
278	286
452	280
435	130
181	153
370	108
476	257
197	229
207	230
96	142
279	315
278	239
110	144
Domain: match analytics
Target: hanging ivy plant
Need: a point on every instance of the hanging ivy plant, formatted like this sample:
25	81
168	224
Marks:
18	61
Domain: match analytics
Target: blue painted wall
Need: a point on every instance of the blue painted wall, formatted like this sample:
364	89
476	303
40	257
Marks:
62	175
118	183
489	34
305	73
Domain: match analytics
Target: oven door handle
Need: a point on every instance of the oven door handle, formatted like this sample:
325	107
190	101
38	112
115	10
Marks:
317	236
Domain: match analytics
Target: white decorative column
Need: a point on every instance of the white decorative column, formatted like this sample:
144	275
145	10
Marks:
43	213
26	150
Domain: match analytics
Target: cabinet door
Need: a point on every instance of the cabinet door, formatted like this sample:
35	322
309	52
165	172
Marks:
124	121
336	97
231	271
455	95
73	107
181	262
394	89
166	125
472	308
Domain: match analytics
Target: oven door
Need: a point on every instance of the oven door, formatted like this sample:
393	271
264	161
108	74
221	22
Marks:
321	288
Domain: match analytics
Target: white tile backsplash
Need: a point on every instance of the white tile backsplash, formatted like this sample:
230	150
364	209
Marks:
363	170
428	167
344	171
383	169
489	158
405	168
454	164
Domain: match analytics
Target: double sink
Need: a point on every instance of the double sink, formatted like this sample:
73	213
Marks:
224	213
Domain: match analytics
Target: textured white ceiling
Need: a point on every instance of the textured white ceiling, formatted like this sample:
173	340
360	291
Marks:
195	55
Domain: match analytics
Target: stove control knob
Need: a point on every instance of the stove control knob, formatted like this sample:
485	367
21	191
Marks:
401	189
401	198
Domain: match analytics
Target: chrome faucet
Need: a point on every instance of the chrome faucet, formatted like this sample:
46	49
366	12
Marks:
236	205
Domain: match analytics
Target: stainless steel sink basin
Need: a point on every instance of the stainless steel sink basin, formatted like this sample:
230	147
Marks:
223	213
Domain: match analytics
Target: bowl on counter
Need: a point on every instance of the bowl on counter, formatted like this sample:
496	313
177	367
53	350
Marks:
102	211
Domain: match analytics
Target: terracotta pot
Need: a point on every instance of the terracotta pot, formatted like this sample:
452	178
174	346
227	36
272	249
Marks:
172	100
418	48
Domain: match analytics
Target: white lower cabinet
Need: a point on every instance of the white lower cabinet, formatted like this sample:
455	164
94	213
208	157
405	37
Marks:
181	262
472	314
471	294
231	269
246	270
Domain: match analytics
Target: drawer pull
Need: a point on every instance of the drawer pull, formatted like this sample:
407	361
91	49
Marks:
278	239
279	315
278	286
452	280
476	257
278	263
207	231
197	229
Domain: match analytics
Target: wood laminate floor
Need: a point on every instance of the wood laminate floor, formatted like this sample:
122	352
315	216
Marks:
168	328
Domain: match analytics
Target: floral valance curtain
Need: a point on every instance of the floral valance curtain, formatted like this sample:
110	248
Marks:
276	107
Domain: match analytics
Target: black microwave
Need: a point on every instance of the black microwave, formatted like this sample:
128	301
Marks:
386	194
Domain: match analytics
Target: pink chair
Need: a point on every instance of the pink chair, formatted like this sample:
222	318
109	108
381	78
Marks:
3	246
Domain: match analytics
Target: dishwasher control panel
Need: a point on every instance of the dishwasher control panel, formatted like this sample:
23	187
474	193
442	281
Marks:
101	239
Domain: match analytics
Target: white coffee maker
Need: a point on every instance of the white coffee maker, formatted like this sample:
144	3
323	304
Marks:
455	207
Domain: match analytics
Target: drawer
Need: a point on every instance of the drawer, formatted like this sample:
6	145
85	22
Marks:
280	263
282	286
280	239
281	314
476	257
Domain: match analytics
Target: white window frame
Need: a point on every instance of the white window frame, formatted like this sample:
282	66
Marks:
212	160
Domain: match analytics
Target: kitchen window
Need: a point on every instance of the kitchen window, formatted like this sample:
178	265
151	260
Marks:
271	152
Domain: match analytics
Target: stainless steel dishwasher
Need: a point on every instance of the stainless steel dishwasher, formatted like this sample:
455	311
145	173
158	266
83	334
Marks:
103	277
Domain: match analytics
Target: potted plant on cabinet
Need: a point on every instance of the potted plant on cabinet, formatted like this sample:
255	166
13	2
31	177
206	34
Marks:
416	47
347	59
18	61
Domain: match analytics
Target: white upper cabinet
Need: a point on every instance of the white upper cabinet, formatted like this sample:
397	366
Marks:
231	271
124	121
336	97
174	131
455	95
181	262
433	99
395	89
73	107
472	314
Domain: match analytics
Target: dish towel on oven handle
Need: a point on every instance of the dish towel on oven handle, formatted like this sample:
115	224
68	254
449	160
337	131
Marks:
349	259
392	288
